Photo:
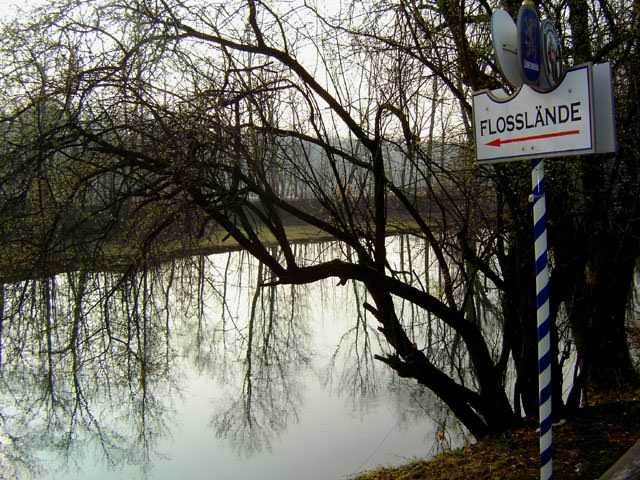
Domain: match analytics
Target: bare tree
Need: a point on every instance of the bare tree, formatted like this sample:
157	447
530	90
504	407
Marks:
258	117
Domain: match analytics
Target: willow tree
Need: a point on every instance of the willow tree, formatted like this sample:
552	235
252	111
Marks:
593	200
243	119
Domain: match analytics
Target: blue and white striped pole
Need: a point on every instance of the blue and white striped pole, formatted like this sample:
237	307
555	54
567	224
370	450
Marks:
544	320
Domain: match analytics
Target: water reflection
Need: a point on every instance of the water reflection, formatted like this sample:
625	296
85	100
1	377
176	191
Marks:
86	360
104	368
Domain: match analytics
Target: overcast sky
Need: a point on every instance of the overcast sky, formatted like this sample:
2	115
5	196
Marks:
12	7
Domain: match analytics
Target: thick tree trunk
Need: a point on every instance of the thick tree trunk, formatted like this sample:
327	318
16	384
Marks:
595	258
482	412
597	320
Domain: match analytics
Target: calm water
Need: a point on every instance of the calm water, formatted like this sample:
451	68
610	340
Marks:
176	374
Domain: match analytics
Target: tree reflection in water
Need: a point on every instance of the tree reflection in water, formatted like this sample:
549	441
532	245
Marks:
94	361
81	353
254	347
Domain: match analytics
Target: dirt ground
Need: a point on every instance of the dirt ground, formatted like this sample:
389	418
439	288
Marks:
583	448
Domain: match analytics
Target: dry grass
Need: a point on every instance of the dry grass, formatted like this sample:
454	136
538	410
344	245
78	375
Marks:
584	448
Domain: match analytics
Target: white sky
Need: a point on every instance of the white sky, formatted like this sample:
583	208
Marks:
10	8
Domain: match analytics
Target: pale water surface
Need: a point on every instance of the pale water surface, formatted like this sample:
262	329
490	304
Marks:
293	394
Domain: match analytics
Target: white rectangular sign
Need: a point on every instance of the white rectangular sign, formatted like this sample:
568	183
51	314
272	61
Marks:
533	123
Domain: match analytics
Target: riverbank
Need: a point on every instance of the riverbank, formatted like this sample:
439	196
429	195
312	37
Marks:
139	237
22	260
584	448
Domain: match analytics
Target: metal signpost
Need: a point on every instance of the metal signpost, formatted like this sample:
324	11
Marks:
552	113
543	316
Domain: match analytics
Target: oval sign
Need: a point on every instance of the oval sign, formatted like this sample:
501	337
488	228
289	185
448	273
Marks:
529	42
552	64
504	35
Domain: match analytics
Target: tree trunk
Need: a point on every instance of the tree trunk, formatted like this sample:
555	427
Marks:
480	412
597	320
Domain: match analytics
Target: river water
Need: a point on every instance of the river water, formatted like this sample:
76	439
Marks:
188	370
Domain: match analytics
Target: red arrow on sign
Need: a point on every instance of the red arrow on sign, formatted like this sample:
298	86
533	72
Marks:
497	142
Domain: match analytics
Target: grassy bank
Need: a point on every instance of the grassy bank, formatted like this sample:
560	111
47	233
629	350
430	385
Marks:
23	260
584	448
